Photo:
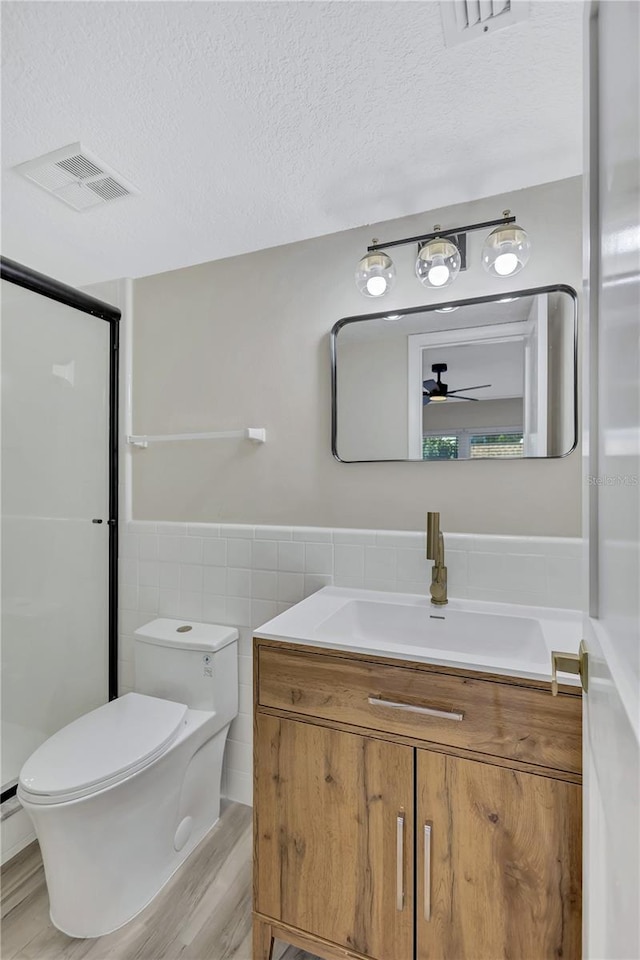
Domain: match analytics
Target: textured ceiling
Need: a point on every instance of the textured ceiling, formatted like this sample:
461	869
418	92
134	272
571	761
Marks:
251	124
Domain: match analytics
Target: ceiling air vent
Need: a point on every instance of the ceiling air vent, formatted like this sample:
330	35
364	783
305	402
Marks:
76	177
464	20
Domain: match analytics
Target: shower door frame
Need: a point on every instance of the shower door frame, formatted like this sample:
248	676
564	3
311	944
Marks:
30	279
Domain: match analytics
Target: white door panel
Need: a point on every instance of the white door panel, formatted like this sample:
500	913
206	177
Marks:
612	487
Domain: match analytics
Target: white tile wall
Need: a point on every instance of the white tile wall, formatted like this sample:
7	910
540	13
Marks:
243	575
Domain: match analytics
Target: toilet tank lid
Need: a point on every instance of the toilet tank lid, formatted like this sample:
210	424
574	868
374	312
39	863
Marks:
187	634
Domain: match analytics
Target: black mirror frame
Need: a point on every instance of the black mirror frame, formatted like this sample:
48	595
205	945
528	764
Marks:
532	291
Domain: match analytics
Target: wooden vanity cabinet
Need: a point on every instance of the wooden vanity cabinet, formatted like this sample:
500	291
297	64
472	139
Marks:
380	834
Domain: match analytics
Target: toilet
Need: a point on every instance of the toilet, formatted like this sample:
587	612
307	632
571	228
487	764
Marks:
120	797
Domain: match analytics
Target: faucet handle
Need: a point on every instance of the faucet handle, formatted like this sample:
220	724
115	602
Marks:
433	535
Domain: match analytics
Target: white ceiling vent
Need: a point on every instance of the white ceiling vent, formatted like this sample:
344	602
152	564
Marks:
464	20
76	177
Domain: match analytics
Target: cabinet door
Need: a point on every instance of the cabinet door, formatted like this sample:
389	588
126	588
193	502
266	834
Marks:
334	835
499	863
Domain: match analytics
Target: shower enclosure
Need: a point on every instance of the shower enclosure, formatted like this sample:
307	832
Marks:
59	509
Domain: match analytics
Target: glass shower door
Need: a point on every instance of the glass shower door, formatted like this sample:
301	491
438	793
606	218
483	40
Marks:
55	513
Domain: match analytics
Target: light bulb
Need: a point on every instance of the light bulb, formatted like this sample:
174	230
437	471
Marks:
438	262
376	286
438	274
375	274
506	263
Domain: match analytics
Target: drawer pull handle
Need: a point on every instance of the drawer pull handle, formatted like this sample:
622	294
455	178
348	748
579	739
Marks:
427	871
400	862
411	708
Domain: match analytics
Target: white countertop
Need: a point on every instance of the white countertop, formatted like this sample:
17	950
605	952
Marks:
499	638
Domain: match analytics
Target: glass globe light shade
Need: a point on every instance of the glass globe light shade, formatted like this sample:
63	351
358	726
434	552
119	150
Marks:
375	274
506	251
438	263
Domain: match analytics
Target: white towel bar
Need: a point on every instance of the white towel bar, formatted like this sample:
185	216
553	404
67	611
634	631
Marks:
257	434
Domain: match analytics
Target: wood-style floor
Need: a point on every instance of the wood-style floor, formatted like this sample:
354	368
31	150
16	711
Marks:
204	912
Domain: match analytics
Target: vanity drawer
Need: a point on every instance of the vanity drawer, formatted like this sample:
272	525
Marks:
498	719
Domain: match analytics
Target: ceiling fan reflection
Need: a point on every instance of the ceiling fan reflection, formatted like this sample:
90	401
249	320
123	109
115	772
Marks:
435	391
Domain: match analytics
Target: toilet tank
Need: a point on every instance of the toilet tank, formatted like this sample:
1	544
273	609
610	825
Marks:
191	663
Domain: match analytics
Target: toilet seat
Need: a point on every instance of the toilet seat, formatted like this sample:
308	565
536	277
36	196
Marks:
101	748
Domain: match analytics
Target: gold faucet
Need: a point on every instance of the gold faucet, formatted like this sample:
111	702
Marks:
435	552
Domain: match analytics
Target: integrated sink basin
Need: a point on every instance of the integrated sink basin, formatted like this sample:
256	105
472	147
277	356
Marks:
494	637
450	631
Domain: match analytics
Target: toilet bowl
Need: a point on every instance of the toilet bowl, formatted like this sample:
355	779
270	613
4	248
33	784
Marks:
120	797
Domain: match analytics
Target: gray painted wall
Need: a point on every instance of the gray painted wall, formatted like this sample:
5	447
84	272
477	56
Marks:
245	342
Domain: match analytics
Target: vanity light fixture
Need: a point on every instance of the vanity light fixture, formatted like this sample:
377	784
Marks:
506	250
443	254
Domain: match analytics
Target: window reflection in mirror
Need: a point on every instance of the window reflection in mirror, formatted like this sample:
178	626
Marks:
486	378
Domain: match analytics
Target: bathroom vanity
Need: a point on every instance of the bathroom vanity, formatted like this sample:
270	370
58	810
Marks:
413	806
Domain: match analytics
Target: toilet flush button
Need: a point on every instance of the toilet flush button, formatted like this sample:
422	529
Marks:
182	833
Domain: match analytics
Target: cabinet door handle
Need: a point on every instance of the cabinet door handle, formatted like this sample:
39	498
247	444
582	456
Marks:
400	862
411	708
427	871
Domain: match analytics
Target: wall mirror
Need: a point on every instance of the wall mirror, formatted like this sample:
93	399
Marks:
492	377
